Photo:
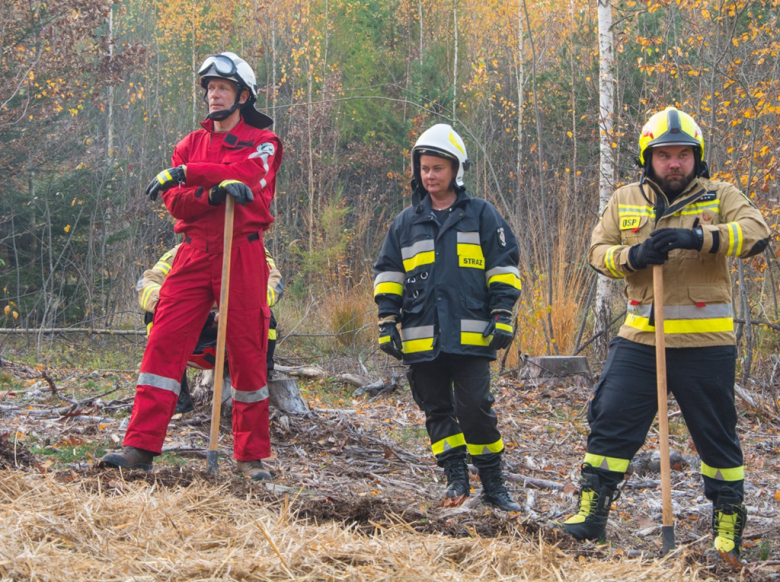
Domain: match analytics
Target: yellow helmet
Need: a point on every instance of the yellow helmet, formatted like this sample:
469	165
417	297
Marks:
670	127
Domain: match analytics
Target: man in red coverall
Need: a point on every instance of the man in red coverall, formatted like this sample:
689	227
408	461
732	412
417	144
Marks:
233	155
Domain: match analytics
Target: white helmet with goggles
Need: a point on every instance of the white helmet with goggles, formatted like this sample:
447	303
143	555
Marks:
443	142
230	66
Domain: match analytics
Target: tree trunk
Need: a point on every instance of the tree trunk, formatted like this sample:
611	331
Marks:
607	158
455	61
110	123
285	395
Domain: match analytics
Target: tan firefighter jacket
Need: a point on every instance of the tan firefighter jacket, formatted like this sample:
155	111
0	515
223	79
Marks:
697	287
149	284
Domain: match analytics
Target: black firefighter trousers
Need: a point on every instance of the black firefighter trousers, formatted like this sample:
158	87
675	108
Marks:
625	403
454	393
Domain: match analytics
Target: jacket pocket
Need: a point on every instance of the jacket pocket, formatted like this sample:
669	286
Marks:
415	291
706	294
632	227
639	294
475	309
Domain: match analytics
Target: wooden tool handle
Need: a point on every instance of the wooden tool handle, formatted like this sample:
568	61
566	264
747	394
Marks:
663	414
219	367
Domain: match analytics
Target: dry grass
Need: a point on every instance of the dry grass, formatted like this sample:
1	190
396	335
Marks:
93	529
348	310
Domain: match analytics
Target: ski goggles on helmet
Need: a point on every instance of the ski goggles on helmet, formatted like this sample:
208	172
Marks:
222	65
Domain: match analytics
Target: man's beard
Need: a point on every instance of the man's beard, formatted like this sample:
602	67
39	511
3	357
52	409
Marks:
674	186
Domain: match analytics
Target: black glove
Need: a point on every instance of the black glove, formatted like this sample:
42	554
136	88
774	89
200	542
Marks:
165	180
644	254
234	188
668	239
500	327
390	340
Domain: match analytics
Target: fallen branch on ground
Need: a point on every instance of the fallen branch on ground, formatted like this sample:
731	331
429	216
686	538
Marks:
380	387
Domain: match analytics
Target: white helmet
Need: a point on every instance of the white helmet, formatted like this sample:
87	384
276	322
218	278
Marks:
443	142
230	66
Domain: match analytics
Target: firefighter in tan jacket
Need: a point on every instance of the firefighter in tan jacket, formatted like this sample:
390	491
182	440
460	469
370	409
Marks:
204	356
676	217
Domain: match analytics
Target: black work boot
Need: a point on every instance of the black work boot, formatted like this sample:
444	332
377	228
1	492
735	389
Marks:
494	492
729	516
184	403
130	458
457	472
590	523
254	470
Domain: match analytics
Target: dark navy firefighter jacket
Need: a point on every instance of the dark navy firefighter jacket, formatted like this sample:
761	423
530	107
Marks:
443	280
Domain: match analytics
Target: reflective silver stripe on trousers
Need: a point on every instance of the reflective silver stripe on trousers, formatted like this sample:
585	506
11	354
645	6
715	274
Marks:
471	238
249	397
160	382
473	325
502	271
413	333
417	248
686	311
390	277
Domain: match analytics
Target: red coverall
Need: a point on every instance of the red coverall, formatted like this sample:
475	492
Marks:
252	156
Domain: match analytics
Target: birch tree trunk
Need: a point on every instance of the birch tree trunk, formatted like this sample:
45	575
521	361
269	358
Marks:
420	10
607	156
110	122
455	61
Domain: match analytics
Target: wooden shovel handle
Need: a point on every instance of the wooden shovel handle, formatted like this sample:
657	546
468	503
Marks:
219	367
663	414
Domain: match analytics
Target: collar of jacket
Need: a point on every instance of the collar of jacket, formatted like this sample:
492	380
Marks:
693	192
421	200
208	125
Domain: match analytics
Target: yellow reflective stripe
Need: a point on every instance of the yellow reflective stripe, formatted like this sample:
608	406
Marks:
504	327
270	297
418	345
166	175
696	208
495	447
162	266
507	278
470	338
445	444
226	182
609	261
469	250
147	292
607	463
149	327
712	325
629	209
732	474
419	260
470	255
271	334
639	322
389	288
383	339
735	239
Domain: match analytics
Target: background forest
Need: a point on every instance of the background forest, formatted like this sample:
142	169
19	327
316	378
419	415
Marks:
94	94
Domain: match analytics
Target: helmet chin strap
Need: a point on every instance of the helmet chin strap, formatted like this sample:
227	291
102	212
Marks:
223	114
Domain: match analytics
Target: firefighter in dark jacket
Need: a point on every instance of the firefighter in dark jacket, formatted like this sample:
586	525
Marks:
448	274
677	217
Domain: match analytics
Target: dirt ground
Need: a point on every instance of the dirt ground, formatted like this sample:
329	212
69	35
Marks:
365	464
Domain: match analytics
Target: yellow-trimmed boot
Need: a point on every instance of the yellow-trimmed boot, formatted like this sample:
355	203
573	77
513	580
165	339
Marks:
729	516
590	522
